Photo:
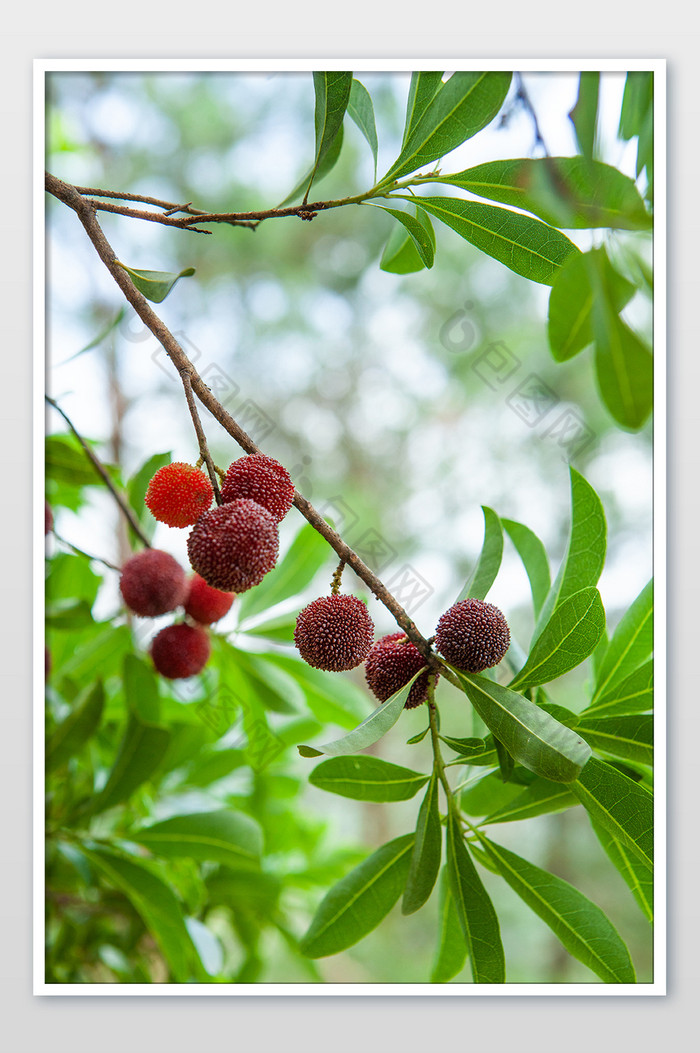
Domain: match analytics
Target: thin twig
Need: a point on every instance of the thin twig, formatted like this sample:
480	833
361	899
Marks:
201	437
524	99
82	552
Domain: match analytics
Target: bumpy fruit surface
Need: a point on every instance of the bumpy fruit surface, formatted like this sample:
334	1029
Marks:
262	479
178	494
153	583
391	663
179	651
472	635
234	546
334	633
205	604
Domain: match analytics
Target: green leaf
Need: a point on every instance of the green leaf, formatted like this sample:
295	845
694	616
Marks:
96	341
570	635
332	92
634	694
534	557
425	859
369	731
625	372
361	110
140	753
367	779
159	909
422	238
474	909
532	737
631	643
401	254
422	90
570	316
580	925
465	747
360	900
295	571
101	654
79	726
563	191
327	165
451	950
66	461
226	837
521	243
541	797
584	115
636	100
331	699
627	737
634	873
141	689
465	104
585	552
489	794
154	285
618	804
487	568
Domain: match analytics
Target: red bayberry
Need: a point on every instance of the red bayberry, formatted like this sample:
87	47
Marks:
180	650
334	633
234	546
153	583
178	494
472	635
48	518
262	479
205	604
391	663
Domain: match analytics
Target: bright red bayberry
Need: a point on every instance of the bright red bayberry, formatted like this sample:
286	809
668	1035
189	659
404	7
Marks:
262	479
334	633
178	494
153	583
234	546
180	650
472	635
391	663
205	604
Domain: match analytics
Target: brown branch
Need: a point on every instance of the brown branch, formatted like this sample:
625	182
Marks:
85	210
201	437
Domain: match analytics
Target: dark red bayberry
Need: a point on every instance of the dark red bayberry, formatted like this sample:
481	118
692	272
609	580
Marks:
234	546
153	583
260	478
472	635
181	650
391	663
334	633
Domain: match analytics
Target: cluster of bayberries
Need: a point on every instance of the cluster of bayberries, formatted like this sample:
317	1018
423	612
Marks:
230	548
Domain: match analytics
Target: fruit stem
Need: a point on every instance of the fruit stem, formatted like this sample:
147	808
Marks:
335	580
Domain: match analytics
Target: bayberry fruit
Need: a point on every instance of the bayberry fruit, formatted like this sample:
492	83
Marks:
260	478
391	663
178	494
48	518
234	546
181	650
472	635
153	583
334	633
205	604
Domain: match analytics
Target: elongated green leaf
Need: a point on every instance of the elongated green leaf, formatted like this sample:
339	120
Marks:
585	552
422	90
636	102
226	837
140	753
534	556
369	731
361	110
521	243
141	689
96	341
466	747
401	254
451	950
422	237
465	104
487	568
331	699
584	115
541	797
629	737
580	925
625	373
570	635
156	903
79	726
474	909
635	874
425	859
634	694
66	461
631	643
154	285
332	92
532	737
489	794
563	191
294	572
570	315
360	900
326	165
367	779
618	804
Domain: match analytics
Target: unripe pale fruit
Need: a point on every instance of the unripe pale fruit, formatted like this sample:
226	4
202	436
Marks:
334	633
205	604
262	479
153	583
178	494
472	635
391	663
234	546
181	650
